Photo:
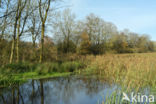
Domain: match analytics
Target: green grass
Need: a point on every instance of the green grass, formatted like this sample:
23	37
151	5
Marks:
14	73
13	79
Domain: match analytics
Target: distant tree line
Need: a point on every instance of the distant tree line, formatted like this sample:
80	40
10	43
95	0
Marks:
40	30
93	35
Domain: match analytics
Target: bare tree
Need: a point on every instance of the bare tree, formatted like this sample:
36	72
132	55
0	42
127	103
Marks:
43	10
64	27
4	25
22	20
34	23
14	34
19	9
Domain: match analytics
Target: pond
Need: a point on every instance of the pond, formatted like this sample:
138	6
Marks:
60	90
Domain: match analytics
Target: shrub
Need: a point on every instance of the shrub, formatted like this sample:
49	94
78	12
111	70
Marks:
58	67
18	68
70	66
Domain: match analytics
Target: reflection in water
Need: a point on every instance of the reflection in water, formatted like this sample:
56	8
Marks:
63	90
42	92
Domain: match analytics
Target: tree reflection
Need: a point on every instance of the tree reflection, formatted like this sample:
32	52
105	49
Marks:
54	91
41	91
3	99
13	96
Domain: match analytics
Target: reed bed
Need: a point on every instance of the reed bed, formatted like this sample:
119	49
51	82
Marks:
129	70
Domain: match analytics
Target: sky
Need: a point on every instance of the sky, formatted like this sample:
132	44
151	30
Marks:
136	15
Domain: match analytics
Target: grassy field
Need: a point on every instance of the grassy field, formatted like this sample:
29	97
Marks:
131	71
11	74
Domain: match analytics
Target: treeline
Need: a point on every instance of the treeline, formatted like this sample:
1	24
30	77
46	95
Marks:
93	35
39	30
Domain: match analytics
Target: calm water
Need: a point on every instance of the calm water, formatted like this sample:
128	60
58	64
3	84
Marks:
62	90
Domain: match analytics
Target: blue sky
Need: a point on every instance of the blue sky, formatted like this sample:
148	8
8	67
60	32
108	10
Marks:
136	15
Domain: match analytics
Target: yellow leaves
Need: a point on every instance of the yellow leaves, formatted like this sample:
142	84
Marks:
85	44
84	36
124	44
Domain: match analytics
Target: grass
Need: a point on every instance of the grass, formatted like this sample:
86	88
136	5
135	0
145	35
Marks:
13	79
15	73
116	98
130	70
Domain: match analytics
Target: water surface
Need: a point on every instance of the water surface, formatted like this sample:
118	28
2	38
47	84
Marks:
61	90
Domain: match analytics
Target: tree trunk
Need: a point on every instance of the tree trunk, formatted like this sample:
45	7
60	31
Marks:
17	44
34	49
42	43
17	49
12	50
34	45
14	36
43	27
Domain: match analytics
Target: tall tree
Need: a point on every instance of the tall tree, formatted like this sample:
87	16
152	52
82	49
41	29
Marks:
64	29
35	26
43	16
22	19
100	33
85	44
14	34
19	9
